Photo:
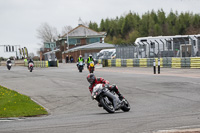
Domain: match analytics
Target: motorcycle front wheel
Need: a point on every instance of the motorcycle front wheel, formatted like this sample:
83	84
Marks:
107	105
8	67
91	70
126	106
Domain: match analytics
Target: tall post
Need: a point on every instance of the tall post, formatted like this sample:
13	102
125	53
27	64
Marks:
198	46
149	48
139	48
158	58
192	49
163	44
185	46
154	61
67	40
167	41
145	49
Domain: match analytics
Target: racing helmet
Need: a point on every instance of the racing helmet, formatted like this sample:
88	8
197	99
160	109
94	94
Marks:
91	78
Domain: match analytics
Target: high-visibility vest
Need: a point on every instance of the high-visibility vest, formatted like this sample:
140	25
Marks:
89	60
80	59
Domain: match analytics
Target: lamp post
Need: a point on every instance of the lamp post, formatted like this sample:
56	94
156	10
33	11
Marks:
67	40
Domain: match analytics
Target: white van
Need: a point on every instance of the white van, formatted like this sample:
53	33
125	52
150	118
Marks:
106	54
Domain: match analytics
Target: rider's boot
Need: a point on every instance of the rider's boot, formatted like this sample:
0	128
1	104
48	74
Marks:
120	96
99	104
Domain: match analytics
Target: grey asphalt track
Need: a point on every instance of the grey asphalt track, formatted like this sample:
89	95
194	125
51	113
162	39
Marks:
170	100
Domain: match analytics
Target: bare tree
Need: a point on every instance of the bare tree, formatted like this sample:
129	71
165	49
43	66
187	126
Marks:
47	33
66	29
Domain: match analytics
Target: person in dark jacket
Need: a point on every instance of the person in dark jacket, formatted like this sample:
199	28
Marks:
8	61
30	61
67	59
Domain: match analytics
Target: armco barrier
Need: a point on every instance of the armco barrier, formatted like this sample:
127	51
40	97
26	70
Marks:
167	62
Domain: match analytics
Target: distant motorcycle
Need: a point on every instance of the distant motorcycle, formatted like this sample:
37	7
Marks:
109	100
30	66
91	67
80	66
9	65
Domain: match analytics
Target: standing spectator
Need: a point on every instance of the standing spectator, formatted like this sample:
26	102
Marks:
67	59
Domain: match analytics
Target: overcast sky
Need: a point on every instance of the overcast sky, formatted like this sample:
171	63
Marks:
19	19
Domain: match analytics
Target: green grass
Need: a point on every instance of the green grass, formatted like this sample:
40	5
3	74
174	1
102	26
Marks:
14	104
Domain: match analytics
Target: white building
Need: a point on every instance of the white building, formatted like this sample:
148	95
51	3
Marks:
7	51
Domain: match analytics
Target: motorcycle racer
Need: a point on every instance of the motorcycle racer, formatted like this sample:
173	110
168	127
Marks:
91	78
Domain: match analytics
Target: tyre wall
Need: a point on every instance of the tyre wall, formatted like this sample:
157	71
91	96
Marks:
168	62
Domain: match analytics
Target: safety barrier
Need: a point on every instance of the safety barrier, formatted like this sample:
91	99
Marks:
176	62
195	62
38	64
143	62
168	62
129	62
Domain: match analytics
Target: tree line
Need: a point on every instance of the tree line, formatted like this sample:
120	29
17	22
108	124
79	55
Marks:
125	29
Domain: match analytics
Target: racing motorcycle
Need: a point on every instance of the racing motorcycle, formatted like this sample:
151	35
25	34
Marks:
91	67
9	65
30	66
109	100
80	66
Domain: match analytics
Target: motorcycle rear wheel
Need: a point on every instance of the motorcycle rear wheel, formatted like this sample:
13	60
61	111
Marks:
106	106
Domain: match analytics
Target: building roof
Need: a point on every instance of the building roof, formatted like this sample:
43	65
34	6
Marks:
83	31
91	46
53	51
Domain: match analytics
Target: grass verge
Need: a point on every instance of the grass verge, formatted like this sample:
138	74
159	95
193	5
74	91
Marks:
14	104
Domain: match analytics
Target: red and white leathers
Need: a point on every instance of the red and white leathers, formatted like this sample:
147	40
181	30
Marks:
103	81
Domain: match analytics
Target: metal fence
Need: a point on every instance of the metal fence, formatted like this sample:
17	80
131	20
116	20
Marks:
170	47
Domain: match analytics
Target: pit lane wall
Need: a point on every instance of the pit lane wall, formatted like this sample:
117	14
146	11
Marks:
168	62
